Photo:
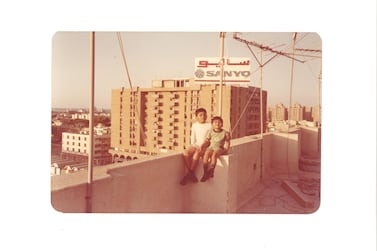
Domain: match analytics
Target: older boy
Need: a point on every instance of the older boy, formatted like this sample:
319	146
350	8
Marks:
192	154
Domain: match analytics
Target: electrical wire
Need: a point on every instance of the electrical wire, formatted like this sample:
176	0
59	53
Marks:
124	57
130	84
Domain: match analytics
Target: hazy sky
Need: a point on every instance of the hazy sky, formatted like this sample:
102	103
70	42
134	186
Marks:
164	55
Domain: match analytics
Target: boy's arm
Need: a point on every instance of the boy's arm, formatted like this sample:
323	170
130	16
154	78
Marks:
206	142
193	135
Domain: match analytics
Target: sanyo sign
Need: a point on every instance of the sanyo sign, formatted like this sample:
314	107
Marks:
236	70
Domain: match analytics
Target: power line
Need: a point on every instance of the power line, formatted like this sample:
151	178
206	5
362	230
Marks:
130	84
124	57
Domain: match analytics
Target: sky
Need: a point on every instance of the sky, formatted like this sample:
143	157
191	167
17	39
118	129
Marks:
164	55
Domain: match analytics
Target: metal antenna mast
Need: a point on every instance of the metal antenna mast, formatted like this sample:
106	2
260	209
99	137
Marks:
261	64
89	187
265	48
222	36
278	53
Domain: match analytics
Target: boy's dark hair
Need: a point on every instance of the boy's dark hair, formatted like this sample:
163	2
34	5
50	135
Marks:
217	118
200	110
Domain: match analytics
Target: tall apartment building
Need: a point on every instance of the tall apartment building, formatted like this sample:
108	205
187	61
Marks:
278	113
296	112
76	146
148	121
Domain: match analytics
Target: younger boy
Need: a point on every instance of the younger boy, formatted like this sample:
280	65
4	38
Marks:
218	142
192	154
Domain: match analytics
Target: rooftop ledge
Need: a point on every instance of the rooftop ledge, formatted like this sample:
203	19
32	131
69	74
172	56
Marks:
151	185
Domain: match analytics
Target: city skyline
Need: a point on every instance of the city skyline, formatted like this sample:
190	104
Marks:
167	55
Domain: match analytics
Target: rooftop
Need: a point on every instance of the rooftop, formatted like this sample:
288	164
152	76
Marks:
243	183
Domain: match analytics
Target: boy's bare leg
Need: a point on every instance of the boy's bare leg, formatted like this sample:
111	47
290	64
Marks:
206	157
187	156
194	164
190	160
195	159
214	157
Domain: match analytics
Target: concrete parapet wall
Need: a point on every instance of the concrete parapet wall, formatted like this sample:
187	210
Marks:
286	153
151	185
311	138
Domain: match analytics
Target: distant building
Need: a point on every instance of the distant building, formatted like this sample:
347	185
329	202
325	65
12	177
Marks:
57	129
317	114
308	113
85	115
80	116
75	146
278	113
148	121
298	116
172	83
99	129
296	113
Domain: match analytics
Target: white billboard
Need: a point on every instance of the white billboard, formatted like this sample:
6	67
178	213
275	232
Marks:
236	70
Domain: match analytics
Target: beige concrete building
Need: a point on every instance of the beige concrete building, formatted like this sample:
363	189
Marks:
296	112
148	121
75	146
278	113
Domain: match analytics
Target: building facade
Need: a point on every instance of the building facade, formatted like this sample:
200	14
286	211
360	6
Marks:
278	113
296	112
148	121
76	146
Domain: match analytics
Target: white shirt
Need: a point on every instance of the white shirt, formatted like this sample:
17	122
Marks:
199	133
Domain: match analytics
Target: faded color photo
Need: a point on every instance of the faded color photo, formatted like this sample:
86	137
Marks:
186	122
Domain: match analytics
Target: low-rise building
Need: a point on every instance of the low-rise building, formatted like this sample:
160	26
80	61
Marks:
76	145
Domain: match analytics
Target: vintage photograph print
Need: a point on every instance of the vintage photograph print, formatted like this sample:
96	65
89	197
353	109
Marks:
186	122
